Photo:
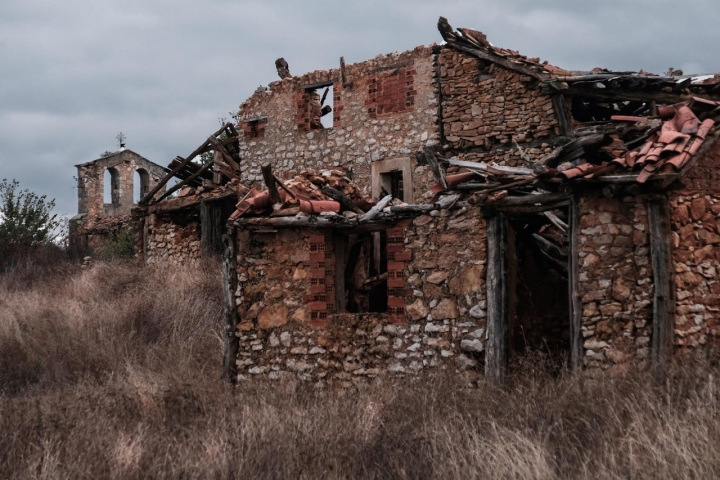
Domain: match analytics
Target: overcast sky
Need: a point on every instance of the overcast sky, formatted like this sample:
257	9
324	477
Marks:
73	73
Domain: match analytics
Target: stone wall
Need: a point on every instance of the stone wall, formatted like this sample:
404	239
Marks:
290	326
168	243
91	180
486	109
696	255
447	276
387	109
615	281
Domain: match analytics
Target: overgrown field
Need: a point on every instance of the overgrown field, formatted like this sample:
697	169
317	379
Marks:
113	372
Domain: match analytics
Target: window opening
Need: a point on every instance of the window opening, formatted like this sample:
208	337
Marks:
365	274
326	106
588	109
391	183
314	108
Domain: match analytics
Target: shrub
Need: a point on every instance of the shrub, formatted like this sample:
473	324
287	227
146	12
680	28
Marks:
26	221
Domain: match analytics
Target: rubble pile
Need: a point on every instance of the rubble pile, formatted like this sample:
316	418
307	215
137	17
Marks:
327	192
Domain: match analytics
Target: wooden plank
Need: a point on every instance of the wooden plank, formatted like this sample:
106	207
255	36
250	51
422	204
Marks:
558	102
575	303
533	199
435	166
189	179
623	94
502	61
498	321
174	204
529	208
664	282
374	211
231	341
182	165
269	180
342	199
172	173
483	167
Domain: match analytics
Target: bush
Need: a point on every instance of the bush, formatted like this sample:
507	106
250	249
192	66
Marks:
120	243
26	222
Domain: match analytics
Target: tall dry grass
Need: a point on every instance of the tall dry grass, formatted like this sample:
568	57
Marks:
113	372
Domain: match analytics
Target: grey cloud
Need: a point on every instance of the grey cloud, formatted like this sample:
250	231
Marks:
74	73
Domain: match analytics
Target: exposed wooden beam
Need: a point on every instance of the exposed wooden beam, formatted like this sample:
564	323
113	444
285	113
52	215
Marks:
189	179
498	321
502	61
231	341
558	101
180	166
575	303
663	322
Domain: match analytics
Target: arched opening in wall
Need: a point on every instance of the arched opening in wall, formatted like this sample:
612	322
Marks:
141	184
111	186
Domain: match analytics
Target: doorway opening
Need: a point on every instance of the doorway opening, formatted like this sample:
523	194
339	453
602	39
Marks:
539	285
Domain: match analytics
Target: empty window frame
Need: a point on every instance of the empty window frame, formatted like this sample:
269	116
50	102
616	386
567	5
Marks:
393	177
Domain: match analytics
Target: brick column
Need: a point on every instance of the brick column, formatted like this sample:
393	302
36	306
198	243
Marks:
399	294
321	301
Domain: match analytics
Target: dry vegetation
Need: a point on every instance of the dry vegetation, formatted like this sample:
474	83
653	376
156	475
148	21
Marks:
113	372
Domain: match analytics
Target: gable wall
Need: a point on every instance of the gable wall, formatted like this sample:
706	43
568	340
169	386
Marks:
389	110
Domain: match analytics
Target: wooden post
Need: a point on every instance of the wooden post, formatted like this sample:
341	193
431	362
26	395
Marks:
498	321
229	368
575	307
558	101
269	179
663	281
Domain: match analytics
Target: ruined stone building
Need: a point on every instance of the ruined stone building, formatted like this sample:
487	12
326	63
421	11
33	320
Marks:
115	174
452	206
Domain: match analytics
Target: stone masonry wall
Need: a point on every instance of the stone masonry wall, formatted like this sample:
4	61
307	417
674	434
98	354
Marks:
289	328
696	258
172	244
615	281
486	109
91	178
447	276
389	109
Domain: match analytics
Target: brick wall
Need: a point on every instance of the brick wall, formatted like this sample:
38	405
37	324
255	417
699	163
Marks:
391	92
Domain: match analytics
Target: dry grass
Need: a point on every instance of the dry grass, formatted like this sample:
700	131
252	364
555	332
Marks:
113	373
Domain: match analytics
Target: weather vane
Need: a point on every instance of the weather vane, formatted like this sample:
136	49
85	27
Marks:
120	137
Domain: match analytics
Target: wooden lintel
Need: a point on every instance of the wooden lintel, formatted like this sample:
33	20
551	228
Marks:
313	86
